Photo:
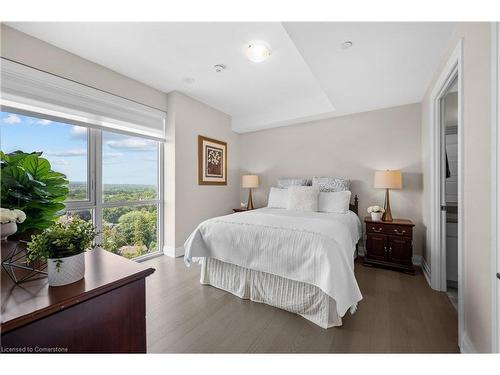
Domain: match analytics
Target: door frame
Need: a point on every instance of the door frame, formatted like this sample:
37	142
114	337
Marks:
495	188
453	69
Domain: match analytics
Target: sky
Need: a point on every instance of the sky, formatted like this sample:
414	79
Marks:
126	159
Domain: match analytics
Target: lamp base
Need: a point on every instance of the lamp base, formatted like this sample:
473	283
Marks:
250	203
387	216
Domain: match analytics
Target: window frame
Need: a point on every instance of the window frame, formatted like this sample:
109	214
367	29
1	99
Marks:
100	204
95	201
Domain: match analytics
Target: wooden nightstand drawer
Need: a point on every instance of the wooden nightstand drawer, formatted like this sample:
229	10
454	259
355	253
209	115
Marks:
392	229
397	230
374	228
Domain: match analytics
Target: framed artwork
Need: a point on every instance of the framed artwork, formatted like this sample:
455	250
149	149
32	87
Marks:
212	161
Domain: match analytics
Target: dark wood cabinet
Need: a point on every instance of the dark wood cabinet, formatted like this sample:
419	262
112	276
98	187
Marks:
377	245
103	313
389	244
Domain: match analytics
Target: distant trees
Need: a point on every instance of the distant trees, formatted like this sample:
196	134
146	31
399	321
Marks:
129	231
134	234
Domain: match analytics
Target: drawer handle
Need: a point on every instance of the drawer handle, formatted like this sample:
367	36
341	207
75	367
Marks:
397	232
375	229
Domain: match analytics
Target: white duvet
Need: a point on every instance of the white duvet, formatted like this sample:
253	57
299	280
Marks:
312	247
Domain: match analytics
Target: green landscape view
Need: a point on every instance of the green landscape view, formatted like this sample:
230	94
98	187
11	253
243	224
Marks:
129	231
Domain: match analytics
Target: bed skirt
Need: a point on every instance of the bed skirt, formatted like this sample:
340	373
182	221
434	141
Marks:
297	297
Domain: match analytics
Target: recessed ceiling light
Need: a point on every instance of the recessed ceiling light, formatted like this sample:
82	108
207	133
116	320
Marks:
347	44
220	67
257	51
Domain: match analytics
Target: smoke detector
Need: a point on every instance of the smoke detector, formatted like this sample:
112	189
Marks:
219	68
347	44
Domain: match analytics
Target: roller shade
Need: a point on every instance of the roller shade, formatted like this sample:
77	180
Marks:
33	91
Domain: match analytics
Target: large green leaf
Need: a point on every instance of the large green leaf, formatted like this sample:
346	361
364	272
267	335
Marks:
15	175
38	167
29	183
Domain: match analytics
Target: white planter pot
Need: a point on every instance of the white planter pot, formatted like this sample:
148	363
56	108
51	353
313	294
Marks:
8	229
71	269
377	216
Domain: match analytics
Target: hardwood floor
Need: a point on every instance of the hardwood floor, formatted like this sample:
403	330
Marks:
399	313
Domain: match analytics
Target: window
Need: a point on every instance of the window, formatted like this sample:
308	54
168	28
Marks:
130	199
65	146
114	179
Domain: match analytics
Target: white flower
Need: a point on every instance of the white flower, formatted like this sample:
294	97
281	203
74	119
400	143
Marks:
65	220
6	216
19	215
375	209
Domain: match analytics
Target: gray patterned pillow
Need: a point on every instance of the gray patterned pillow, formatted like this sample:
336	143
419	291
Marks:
331	184
285	183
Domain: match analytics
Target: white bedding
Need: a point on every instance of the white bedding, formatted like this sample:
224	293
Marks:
303	299
311	247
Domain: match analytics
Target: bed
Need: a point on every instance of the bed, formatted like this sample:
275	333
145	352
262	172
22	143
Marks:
302	262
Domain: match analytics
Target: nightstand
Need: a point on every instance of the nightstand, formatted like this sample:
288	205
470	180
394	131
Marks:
241	209
389	244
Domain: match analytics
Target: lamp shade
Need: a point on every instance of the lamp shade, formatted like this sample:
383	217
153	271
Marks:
250	181
388	179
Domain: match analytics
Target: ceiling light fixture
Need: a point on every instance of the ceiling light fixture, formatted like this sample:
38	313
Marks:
257	51
347	44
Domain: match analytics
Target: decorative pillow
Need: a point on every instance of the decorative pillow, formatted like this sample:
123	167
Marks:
334	201
303	198
284	183
278	198
331	184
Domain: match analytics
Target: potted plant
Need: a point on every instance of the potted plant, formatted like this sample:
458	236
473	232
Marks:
9	220
376	212
63	245
28	183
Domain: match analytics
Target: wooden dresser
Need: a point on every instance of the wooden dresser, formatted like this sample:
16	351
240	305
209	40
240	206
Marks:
103	313
389	244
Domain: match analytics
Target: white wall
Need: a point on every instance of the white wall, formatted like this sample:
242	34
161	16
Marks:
353	147
476	177
195	203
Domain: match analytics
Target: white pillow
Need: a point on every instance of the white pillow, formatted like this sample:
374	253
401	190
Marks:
336	202
277	198
303	198
331	183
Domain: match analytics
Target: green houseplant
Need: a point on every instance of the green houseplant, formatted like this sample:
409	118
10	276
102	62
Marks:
29	184
63	245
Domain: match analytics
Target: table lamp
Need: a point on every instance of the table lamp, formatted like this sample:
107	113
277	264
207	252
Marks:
250	181
388	180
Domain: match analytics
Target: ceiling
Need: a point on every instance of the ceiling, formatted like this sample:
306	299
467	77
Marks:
308	75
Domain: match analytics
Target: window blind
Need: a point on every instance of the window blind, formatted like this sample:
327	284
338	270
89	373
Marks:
33	91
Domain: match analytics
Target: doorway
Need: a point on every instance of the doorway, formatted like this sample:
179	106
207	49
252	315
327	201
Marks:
446	203
449	116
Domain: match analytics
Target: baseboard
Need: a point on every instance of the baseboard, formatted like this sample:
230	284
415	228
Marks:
173	252
417	260
361	251
427	271
466	345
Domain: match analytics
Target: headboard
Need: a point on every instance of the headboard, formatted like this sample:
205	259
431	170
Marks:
354	206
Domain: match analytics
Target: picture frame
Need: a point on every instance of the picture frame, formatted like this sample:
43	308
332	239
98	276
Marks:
212	161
